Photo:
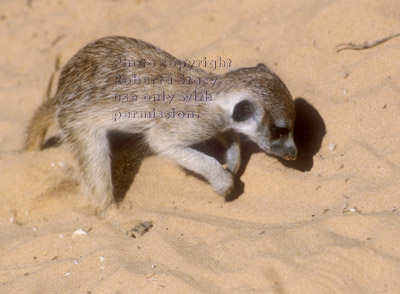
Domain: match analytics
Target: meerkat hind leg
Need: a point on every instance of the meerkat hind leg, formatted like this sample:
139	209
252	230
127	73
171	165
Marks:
95	167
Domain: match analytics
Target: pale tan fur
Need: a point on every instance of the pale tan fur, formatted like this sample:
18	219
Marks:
253	101
39	124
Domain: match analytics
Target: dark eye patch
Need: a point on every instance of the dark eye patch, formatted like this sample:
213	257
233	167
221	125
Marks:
242	111
277	132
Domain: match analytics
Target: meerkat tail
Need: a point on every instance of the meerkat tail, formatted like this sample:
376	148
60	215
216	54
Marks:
39	124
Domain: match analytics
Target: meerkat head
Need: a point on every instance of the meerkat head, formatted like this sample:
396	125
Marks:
262	108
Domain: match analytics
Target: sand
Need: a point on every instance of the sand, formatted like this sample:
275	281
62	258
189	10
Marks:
328	223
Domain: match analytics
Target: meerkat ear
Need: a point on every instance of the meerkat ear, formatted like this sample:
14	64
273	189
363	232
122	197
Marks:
242	111
262	65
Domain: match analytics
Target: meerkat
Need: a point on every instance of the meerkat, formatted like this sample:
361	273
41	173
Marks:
127	85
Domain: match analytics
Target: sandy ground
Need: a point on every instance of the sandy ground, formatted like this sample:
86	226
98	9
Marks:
328	223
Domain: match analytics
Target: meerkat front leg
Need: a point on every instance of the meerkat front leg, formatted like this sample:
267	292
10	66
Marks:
231	142
219	178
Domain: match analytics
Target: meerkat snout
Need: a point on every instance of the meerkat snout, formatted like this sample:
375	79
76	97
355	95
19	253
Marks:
130	86
259	127
283	144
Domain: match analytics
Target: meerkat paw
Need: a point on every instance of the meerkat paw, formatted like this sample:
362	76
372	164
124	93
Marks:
224	184
120	222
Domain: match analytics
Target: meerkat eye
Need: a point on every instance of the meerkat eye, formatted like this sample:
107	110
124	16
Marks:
277	132
242	111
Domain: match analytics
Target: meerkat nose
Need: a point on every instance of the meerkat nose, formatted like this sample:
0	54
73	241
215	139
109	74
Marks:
292	153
